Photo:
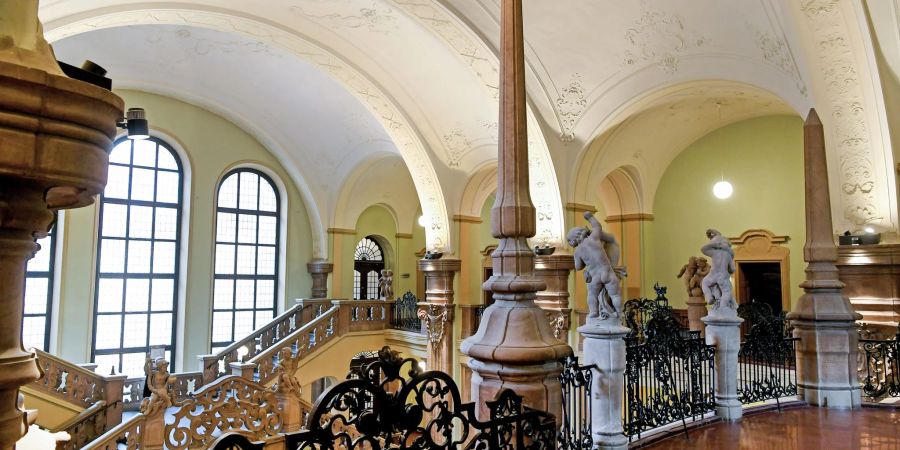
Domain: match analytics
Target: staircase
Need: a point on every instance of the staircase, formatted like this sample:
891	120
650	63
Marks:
235	389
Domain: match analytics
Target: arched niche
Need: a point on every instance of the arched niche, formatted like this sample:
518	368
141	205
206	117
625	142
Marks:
755	252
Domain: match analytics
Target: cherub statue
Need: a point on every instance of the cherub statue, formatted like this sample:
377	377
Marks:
598	253
285	382
692	273
716	284
158	382
687	274
386	284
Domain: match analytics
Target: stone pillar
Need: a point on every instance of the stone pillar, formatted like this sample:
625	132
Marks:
436	311
823	318
319	269
724	331
514	346
604	346
696	309
55	134
554	270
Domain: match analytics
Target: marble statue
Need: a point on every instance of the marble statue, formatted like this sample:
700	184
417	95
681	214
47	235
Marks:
692	273
386	284
716	285
158	382
598	253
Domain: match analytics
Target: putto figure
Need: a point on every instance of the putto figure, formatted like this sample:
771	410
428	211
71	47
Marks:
158	383
386	284
598	254
717	284
692	273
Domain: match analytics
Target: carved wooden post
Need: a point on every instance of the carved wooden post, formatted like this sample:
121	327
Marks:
554	270
55	133
319	269
437	311
823	318
514	346
114	389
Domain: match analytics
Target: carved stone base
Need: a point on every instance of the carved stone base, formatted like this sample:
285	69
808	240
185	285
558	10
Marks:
604	346
696	310
319	269
725	334
537	384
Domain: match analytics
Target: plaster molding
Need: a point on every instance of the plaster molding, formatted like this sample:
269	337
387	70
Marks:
660	38
380	104
570	106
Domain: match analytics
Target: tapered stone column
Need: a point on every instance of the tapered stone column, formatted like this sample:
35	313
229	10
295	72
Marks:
436	311
514	346
554	271
823	318
319	269
724	332
55	133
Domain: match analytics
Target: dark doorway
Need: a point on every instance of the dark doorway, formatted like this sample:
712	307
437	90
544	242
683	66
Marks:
488	297
760	281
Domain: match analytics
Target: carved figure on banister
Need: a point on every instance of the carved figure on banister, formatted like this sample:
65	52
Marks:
716	285
692	274
159	383
386	284
597	252
286	382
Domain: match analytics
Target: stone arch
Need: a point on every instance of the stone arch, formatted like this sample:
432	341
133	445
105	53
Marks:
620	192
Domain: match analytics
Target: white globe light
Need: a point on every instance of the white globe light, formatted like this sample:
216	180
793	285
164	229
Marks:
423	222
722	189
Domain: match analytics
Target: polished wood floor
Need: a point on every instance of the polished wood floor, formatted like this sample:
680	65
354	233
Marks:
801	428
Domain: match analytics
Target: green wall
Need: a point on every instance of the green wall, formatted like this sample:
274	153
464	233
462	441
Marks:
763	160
213	146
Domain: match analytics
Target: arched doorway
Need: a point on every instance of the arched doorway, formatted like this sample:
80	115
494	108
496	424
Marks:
368	261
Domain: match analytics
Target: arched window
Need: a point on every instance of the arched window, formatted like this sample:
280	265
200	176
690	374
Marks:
246	264
138	264
39	275
368	260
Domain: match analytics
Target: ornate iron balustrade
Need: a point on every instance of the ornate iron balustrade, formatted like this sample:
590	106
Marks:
390	403
767	361
575	430
669	371
879	367
405	314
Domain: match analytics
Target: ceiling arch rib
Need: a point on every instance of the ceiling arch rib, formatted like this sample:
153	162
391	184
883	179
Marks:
389	115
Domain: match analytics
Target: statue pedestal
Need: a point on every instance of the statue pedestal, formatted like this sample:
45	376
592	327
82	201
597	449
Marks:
723	329
604	346
696	310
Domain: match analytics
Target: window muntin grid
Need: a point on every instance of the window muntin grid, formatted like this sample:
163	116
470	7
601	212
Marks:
39	275
246	255
138	256
367	265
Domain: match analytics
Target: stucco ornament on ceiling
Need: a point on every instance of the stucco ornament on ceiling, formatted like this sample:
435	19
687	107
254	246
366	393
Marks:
860	196
776	51
570	106
374	17
457	145
660	38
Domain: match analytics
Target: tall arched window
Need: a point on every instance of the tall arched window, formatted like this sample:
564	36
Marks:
368	260
138	263
247	246
39	275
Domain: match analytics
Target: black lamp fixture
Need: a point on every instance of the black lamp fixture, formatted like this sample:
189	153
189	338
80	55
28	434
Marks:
136	123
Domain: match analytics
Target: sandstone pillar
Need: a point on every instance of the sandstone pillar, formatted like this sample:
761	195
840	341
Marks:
319	269
604	346
55	133
724	331
823	318
436	311
696	309
514	346
554	271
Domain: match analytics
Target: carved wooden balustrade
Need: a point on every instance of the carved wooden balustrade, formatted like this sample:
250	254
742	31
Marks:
129	434
184	384
297	345
216	365
86	426
231	403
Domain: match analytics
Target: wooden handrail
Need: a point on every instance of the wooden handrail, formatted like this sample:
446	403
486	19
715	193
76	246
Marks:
304	339
130	431
74	384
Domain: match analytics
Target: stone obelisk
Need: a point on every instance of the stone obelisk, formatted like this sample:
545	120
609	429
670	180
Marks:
823	318
514	346
55	133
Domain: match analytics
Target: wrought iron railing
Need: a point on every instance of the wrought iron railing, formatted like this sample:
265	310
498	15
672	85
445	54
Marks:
879	367
669	371
390	403
405	314
767	361
575	426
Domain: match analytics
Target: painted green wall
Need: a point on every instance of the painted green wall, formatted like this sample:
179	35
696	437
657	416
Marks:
763	159
213	146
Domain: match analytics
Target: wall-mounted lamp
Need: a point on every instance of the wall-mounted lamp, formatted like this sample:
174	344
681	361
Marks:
723	189
136	123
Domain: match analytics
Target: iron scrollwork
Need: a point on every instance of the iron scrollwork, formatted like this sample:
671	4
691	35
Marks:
879	367
766	361
391	403
576	381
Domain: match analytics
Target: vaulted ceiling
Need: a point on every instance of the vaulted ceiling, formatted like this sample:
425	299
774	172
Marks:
333	85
